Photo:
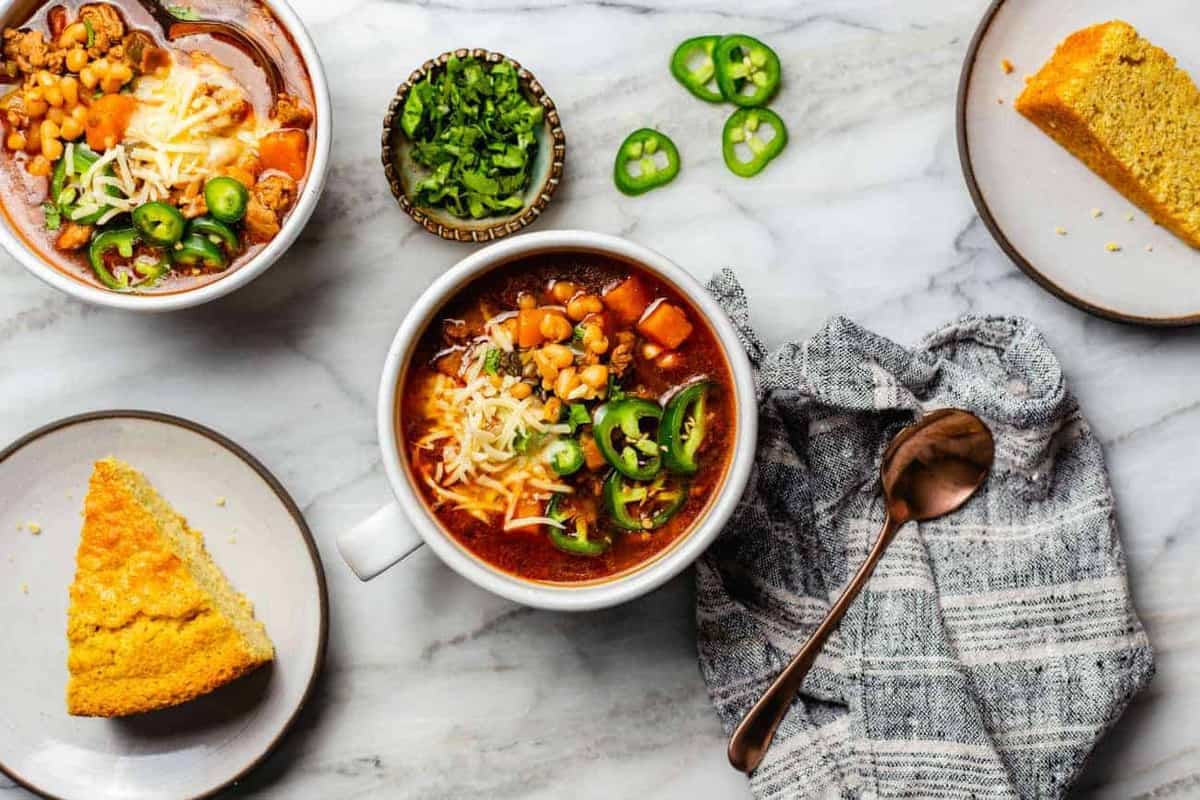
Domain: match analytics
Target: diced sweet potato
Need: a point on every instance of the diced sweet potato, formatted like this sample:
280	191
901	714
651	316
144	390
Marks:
592	456
107	120
628	299
665	324
529	327
286	151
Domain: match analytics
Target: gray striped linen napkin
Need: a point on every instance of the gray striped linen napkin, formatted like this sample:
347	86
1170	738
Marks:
992	648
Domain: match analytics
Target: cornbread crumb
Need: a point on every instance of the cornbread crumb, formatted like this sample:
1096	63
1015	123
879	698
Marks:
1000	100
233	540
221	501
1124	108
1112	247
1006	65
1149	248
1129	217
1097	213
24	588
33	528
1060	230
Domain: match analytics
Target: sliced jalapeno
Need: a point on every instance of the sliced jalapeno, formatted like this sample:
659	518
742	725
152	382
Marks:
159	223
216	232
642	506
682	429
618	430
742	61
699	79
197	251
65	189
226	199
637	168
576	537
565	456
122	261
743	128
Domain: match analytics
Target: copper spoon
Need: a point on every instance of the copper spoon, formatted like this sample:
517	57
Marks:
930	469
173	28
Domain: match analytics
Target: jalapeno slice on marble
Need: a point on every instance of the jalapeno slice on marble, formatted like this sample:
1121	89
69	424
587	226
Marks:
692	66
744	134
630	449
642	505
748	71
646	160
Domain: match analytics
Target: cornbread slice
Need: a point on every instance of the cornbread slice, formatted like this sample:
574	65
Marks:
152	621
1123	107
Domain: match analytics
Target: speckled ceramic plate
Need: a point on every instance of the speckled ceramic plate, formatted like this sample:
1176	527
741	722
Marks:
258	538
1026	186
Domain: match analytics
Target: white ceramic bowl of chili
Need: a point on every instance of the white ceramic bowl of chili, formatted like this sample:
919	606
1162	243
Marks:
314	182
399	528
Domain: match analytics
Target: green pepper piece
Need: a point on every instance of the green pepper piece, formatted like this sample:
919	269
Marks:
742	128
640	506
124	241
637	455
64	190
216	232
640	148
576	542
682	429
565	456
159	223
697	80
197	251
226	199
742	61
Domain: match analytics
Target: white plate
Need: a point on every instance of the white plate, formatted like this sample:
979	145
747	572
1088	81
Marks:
259	540
1025	185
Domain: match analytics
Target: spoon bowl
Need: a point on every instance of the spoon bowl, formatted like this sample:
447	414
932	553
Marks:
929	470
933	467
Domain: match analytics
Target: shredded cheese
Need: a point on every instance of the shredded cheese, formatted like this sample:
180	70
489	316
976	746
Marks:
476	463
187	125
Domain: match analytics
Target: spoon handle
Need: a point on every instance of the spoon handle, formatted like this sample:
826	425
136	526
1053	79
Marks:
753	735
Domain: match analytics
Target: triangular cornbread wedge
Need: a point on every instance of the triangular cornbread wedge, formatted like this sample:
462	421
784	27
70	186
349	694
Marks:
152	622
1125	108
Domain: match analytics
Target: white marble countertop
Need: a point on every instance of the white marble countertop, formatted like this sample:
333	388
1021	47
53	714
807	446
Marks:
434	689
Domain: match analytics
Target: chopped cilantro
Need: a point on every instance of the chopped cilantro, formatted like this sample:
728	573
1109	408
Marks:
53	216
614	389
577	335
91	32
528	442
183	12
491	361
577	416
474	130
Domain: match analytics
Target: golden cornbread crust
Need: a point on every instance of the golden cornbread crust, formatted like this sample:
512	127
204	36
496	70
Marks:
152	622
1123	107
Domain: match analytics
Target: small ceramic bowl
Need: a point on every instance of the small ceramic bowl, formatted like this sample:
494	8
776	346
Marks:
402	172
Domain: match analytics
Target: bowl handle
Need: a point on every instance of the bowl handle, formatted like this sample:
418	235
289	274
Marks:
381	540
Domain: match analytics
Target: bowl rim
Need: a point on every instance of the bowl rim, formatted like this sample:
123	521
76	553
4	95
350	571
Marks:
16	247
503	225
655	572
